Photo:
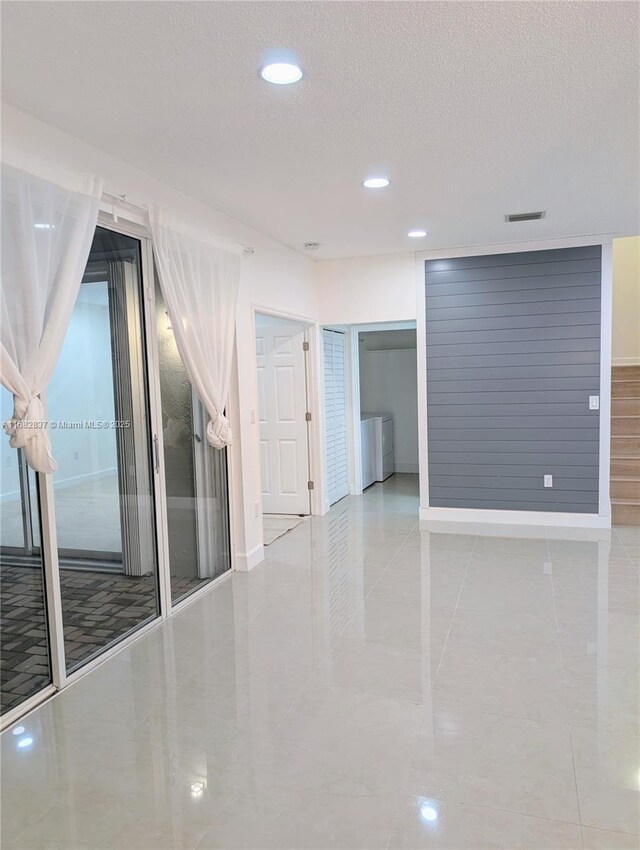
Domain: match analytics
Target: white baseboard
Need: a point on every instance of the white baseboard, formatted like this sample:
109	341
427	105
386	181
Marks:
625	361
245	561
435	519
406	467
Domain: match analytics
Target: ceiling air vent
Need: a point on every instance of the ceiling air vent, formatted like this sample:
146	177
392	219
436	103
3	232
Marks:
311	246
530	216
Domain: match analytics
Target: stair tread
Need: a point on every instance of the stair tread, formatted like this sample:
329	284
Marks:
624	446
632	502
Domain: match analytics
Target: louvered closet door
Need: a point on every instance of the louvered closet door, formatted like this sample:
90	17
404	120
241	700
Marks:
335	416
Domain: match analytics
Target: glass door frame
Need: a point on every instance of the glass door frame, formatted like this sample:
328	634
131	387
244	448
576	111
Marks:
138	229
60	678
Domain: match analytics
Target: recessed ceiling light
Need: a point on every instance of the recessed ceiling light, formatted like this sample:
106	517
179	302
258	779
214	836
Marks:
417	234
376	182
281	73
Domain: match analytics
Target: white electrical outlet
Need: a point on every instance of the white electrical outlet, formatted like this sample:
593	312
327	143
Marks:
548	480
594	402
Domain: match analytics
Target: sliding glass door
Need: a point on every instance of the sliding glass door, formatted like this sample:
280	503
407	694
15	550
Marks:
98	406
195	474
118	404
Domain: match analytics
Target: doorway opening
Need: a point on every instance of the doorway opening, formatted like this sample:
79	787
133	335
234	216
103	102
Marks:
370	408
283	416
388	382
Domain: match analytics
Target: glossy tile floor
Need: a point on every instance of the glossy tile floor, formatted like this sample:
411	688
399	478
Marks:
275	525
368	686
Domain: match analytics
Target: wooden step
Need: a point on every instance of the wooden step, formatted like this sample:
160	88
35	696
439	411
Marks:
625	426
626	489
625	447
625	406
625	389
625	467
625	514
625	373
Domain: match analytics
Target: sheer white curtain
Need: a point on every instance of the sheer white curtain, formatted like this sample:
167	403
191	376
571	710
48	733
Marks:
200	283
46	238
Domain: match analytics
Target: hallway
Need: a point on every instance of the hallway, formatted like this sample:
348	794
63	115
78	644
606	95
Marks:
367	686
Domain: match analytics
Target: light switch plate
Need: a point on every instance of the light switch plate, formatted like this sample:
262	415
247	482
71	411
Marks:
548	480
594	402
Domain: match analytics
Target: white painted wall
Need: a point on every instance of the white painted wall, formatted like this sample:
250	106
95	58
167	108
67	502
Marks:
275	277
366	289
389	384
625	341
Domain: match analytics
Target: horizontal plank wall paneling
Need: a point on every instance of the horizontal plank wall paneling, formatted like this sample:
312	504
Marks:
513	354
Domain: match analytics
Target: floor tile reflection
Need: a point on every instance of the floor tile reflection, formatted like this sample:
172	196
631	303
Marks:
369	685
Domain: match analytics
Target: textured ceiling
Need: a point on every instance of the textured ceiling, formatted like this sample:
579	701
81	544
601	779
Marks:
472	109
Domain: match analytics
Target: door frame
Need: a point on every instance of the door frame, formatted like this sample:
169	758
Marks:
314	378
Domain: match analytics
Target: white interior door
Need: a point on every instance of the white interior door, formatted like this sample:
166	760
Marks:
335	400
282	405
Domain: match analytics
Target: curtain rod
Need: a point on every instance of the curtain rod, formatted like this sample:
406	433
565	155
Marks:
123	202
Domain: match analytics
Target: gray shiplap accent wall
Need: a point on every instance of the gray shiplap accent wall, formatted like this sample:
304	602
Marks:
513	354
